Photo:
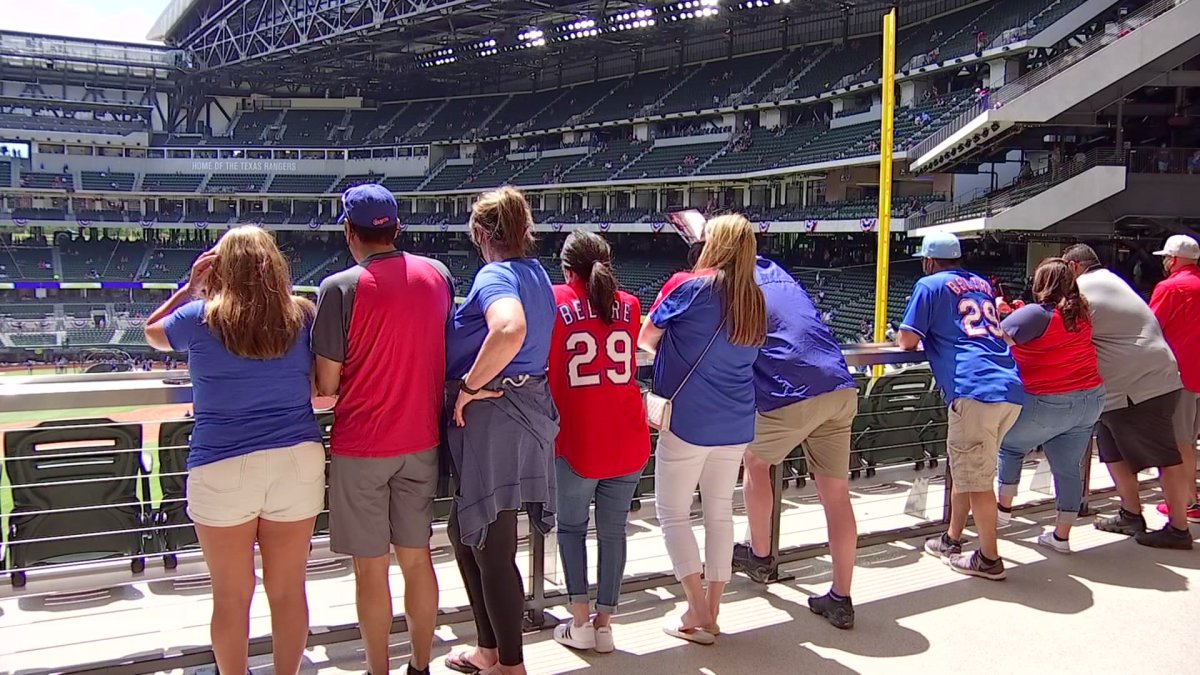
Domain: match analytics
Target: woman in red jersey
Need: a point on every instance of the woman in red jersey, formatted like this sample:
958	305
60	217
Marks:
603	441
1052	343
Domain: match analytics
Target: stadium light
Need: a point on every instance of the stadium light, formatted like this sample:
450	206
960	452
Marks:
758	4
438	57
687	10
632	19
582	28
484	48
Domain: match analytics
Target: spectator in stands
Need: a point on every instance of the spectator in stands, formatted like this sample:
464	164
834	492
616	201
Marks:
384	467
256	469
710	324
501	436
1176	304
1136	429
1052	343
1162	159
953	313
600	394
804	396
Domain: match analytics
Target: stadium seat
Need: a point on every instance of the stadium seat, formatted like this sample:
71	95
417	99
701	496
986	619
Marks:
77	488
896	405
171	520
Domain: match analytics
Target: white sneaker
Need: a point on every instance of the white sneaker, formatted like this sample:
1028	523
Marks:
576	637
1002	518
604	640
1047	539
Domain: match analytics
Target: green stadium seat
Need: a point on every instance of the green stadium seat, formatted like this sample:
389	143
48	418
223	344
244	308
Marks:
897	419
78	484
175	532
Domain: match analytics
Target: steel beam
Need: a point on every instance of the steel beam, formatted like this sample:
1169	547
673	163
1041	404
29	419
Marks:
240	33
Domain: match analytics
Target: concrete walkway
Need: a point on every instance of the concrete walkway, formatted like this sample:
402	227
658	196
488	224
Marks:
1112	607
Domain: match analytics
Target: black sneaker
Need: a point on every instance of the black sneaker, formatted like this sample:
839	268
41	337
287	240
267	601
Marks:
1126	523
974	566
759	569
1167	537
839	613
943	546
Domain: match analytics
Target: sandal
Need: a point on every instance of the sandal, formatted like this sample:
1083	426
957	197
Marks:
460	662
696	635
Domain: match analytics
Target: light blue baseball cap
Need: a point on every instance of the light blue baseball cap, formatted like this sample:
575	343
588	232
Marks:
941	245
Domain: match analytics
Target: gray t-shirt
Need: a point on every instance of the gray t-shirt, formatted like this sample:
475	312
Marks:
1134	359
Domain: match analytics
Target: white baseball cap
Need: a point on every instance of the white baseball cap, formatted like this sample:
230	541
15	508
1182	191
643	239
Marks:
1182	246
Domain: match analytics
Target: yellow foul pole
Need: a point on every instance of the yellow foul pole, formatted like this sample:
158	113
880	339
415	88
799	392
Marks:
886	133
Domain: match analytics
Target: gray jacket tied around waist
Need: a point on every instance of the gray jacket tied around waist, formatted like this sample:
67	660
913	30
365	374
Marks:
503	459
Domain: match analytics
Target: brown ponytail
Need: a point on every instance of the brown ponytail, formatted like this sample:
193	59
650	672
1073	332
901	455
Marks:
588	256
502	218
1054	286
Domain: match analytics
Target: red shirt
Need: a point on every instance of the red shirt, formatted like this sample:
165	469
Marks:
1176	304
384	320
1058	361
593	379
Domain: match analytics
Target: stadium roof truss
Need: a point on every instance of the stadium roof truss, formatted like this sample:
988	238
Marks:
262	45
232	32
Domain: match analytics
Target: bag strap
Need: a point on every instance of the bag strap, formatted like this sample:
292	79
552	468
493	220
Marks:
698	360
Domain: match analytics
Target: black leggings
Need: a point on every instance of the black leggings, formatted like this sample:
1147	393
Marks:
494	585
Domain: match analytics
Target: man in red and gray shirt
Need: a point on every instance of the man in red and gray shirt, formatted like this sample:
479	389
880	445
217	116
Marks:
1176	305
379	340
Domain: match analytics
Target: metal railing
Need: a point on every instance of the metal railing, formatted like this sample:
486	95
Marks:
897	459
1019	191
1029	81
1164	160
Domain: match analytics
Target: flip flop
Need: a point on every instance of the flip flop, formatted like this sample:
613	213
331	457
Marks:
696	635
713	630
459	663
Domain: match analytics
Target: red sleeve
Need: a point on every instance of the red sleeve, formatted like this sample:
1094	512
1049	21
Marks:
1160	303
635	319
674	282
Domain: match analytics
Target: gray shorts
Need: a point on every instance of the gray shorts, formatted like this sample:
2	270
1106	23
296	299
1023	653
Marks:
379	502
1187	418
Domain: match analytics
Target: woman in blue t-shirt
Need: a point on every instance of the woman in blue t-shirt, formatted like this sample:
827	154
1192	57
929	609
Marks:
256	466
502	425
705	329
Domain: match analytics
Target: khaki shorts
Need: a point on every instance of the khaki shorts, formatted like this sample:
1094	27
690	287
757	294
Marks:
973	441
283	485
821	424
379	502
1187	417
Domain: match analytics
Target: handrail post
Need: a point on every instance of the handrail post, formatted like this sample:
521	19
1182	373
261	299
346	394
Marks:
949	492
1085	506
776	517
535	606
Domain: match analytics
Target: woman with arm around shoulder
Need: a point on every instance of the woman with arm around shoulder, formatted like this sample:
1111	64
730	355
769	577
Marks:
1064	395
603	442
256	466
500	437
706	331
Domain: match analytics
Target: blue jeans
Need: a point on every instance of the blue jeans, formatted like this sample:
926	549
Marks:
1062	424
613	497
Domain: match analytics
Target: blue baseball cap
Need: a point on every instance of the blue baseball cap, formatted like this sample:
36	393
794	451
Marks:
370	205
942	245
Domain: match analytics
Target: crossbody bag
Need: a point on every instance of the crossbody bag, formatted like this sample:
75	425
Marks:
658	408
